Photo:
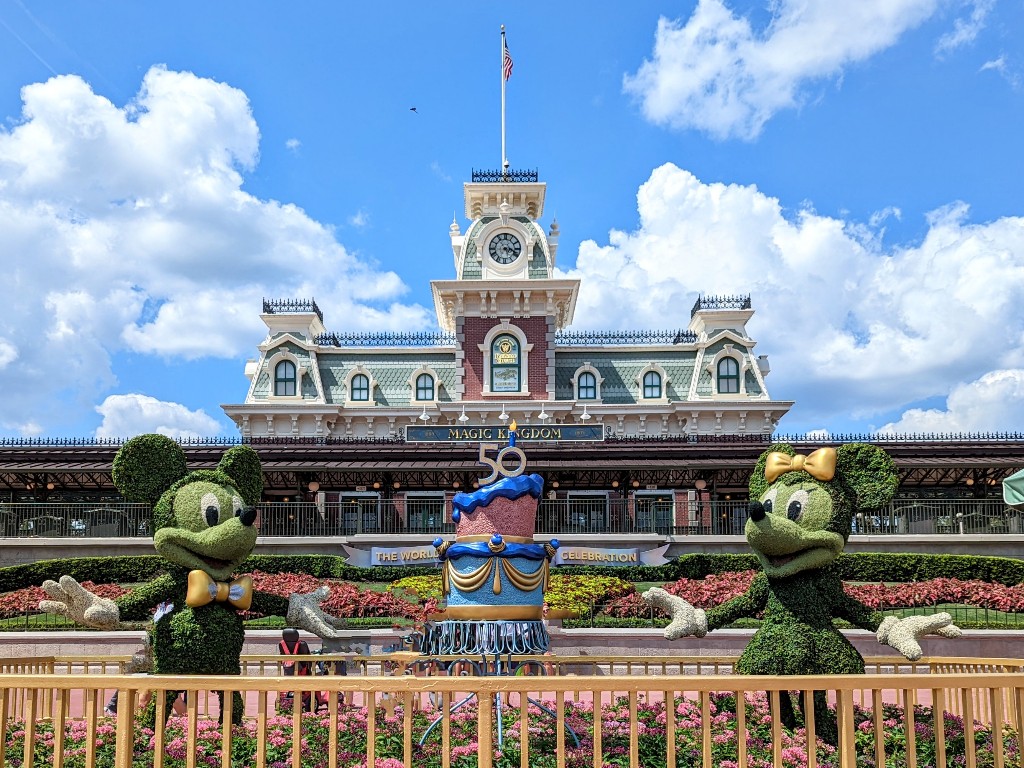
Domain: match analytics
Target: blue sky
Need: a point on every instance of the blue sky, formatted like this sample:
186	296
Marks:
855	166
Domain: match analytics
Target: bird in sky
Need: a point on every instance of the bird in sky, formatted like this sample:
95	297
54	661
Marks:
413	109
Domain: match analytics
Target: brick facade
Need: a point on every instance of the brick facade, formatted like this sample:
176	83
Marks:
473	331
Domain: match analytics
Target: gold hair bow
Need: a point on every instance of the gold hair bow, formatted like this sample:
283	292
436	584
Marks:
821	464
202	590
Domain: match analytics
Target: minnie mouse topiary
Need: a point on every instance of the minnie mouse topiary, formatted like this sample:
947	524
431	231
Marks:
799	524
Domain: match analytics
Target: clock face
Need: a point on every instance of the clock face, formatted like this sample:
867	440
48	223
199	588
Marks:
505	248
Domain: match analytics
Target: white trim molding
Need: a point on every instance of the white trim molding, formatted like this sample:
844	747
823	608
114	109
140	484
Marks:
357	370
598	381
503	328
649	368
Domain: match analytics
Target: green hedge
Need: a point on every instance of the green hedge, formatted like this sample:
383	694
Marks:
870	567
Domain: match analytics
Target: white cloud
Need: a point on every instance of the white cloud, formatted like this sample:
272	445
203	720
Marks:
852	329
135	414
293	144
359	219
992	403
878	217
965	30
8	353
437	170
128	229
1002	67
716	73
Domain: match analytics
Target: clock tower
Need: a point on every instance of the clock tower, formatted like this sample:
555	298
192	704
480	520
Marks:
505	305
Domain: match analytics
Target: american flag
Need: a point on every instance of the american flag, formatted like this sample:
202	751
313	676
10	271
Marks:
506	63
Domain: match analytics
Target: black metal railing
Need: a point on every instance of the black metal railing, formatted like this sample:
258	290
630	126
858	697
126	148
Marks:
610	338
720	302
285	306
663	515
387	339
506	174
845	437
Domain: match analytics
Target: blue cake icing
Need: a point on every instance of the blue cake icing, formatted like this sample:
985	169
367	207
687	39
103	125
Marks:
508	488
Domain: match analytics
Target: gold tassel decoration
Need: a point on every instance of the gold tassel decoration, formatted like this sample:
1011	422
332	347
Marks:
472	581
496	586
525	582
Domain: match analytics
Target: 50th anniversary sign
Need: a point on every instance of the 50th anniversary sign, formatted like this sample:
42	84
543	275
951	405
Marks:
567	555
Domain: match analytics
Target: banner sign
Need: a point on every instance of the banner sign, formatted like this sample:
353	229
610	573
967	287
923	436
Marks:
525	433
569	555
422	555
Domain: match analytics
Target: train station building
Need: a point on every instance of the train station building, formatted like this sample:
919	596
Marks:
641	435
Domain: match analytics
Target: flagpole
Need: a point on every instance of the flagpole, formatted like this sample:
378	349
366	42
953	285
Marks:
501	71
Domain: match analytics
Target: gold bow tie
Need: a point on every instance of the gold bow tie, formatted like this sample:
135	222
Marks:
821	464
202	590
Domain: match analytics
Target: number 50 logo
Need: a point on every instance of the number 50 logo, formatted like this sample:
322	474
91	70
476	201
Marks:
497	464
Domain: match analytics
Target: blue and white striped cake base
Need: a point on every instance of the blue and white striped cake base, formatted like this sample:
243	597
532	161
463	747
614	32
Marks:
472	638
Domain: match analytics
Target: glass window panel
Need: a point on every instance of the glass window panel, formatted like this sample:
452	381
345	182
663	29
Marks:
284	379
360	387
652	385
728	376
587	386
425	387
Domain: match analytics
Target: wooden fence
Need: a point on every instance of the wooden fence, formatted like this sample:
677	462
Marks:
593	711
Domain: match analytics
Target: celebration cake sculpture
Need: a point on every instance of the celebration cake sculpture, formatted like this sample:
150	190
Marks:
494	575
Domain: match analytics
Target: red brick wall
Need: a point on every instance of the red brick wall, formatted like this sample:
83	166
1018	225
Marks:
476	328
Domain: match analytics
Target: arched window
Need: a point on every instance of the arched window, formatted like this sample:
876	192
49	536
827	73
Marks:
505	364
360	387
424	387
284	379
652	385
728	376
586	387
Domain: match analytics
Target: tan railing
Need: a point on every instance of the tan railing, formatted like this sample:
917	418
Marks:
939	711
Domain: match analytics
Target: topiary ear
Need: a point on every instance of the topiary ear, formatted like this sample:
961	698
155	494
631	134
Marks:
758	483
146	466
242	464
870	472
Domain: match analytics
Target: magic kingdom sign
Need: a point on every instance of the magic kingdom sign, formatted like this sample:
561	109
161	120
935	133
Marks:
525	433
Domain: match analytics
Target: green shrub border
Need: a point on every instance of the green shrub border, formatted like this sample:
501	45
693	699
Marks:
860	566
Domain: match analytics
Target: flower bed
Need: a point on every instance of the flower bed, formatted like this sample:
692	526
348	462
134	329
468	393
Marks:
717	589
415	598
615	724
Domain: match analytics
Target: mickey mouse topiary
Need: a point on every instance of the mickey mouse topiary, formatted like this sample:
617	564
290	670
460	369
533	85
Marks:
203	527
799	524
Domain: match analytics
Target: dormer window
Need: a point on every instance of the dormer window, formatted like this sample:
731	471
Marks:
652	385
359	389
285	380
425	387
728	376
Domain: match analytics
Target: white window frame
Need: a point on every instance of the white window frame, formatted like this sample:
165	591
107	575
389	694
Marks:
502	328
421	371
270	366
652	368
598	381
356	371
741	360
